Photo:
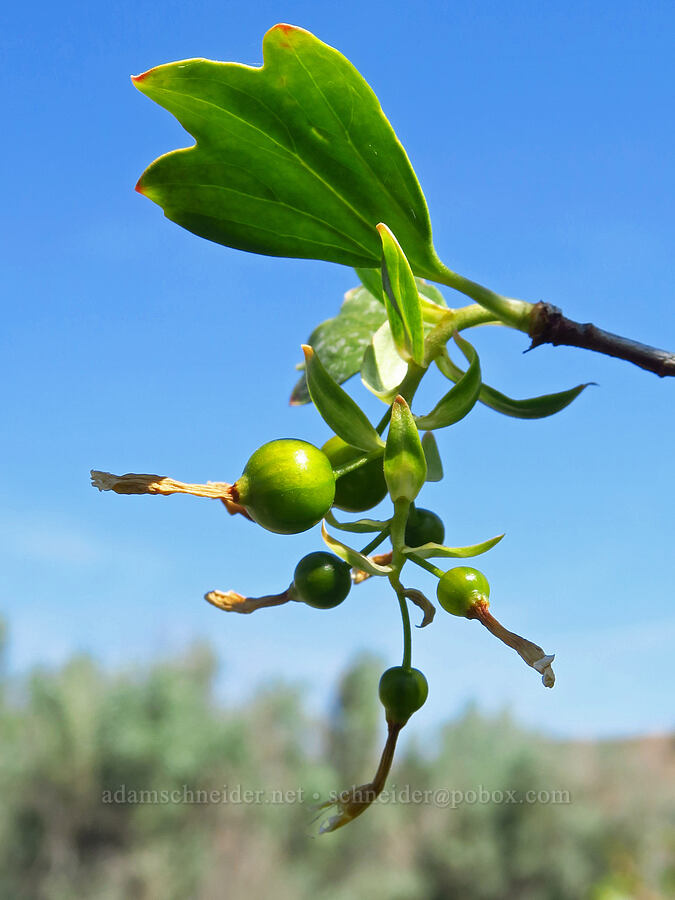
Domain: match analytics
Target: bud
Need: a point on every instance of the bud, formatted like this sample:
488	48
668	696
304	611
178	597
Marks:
405	467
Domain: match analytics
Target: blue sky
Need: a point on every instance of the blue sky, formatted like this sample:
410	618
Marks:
542	136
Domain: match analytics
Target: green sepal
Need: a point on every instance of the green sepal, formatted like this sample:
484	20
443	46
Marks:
432	456
353	557
460	399
382	369
529	408
405	466
360	526
401	298
294	158
336	407
432	551
342	340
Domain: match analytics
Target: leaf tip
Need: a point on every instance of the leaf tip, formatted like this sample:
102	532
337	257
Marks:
139	187
284	28
137	80
308	351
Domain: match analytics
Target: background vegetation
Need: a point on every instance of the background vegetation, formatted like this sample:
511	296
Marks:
71	734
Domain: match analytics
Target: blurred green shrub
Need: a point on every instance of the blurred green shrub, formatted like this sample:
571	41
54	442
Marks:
73	738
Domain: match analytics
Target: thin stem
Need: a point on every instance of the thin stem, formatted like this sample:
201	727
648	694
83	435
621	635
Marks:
384	421
398	524
407	389
425	564
376	541
407	631
455	320
357	463
516	313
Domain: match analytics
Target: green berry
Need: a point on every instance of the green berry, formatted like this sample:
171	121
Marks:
322	580
358	490
423	527
402	692
287	486
462	588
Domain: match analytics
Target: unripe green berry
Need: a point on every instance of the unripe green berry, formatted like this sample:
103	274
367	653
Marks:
423	527
322	580
287	486
358	490
461	589
402	692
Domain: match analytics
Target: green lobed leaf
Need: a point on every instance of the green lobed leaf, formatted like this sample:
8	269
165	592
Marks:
353	557
460	399
530	408
342	340
293	158
401	298
432	456
431	551
405	466
382	369
337	408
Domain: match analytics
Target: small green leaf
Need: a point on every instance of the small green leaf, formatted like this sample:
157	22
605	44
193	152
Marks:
295	158
401	298
430	551
383	370
341	341
432	456
530	408
337	408
460	399
353	557
360	526
405	467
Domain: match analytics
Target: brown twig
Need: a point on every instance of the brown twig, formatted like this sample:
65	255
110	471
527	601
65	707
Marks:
550	326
